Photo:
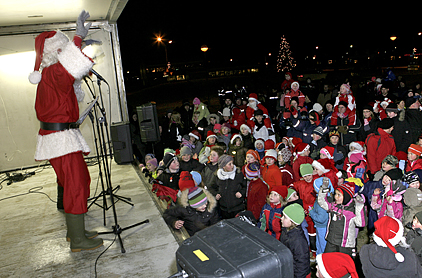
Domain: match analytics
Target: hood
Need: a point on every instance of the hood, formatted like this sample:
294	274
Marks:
183	199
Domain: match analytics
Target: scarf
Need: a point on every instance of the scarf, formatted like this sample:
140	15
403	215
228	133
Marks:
223	175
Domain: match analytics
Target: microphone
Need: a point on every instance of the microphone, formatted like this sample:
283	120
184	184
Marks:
98	75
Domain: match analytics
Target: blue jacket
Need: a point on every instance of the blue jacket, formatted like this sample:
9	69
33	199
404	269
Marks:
367	191
306	128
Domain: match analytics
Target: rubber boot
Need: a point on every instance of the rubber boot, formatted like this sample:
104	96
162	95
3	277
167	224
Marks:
88	234
76	232
60	191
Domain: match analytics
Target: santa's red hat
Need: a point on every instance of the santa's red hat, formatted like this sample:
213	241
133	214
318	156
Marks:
269	145
389	233
233	138
253	96
45	43
336	265
301	148
210	134
195	134
328	151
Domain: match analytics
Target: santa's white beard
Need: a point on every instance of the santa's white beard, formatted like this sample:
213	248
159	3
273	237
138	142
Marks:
253	105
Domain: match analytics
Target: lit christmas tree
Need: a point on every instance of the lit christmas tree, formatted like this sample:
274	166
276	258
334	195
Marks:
285	61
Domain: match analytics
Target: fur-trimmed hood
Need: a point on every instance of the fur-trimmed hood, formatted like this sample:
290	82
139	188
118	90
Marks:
183	199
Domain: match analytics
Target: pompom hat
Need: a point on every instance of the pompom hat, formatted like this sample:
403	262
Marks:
45	43
197	197
389	233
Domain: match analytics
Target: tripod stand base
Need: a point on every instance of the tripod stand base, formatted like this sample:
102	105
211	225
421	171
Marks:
117	230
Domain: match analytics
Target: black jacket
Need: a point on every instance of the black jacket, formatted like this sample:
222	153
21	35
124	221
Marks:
169	179
194	220
380	262
209	178
191	165
296	241
228	188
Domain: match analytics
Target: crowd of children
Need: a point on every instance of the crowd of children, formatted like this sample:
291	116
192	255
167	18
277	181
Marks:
313	189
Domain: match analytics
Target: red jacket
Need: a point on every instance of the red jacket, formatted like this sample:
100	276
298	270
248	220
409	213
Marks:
298	94
287	175
271	175
296	166
378	146
256	197
410	166
307	194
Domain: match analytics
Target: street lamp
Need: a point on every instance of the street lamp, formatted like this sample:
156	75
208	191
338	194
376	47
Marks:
204	48
393	38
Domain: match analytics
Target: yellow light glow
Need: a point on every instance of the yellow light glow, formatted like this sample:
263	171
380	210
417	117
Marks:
159	39
393	38
204	48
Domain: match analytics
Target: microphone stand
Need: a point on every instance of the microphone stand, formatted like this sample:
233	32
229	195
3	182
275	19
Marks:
102	149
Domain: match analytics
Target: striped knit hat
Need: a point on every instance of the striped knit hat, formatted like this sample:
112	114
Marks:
196	197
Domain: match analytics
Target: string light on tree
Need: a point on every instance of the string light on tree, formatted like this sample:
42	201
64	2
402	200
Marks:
285	61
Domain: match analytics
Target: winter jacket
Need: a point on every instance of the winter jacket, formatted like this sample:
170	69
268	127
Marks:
203	111
248	141
413	200
191	165
307	128
343	219
410	166
287	84
194	220
402	132
307	194
209	178
315	148
414	118
169	179
379	262
367	191
228	184
292	93
351	121
414	238
368	128
395	209
256	197
378	146
271	175
238	153
269	219
295	240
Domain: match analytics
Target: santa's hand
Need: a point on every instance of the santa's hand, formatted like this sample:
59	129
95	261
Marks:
81	28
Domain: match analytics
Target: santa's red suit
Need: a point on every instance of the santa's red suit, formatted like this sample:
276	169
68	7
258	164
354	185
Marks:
63	66
268	132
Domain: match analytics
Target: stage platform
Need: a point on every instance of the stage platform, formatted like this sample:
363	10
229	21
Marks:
33	231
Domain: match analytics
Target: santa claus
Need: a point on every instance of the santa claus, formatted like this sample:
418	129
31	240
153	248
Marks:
59	67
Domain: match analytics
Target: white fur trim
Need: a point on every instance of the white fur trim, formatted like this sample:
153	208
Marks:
246	127
60	143
319	166
34	77
54	43
74	61
234	138
321	266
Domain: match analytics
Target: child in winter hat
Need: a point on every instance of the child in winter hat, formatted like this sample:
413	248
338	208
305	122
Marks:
293	237
320	216
414	236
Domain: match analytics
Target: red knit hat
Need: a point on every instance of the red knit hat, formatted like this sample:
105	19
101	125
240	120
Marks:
210	133
301	148
328	151
195	134
389	233
415	149
336	265
269	145
280	189
186	181
253	96
254	153
348	190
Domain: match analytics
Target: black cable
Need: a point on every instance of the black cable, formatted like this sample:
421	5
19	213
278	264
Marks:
35	189
95	265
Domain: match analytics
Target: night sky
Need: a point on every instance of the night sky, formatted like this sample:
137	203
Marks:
249	32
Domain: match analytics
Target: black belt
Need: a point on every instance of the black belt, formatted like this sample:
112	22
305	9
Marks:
58	126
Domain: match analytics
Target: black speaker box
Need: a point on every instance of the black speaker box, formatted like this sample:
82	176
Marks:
234	248
122	142
148	122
